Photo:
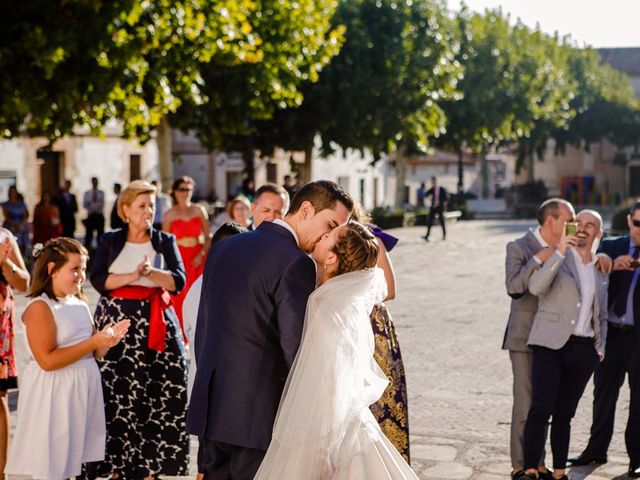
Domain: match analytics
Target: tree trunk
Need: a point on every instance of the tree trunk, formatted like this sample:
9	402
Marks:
484	190
401	174
249	160
529	159
165	155
304	172
460	173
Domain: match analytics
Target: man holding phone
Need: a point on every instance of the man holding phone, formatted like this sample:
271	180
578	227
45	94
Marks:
622	354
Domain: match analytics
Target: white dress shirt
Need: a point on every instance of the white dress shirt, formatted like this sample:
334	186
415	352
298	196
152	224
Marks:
587	278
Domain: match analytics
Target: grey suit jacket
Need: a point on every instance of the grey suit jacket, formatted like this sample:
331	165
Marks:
520	265
557	286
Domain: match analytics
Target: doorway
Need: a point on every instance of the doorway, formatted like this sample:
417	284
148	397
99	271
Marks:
50	164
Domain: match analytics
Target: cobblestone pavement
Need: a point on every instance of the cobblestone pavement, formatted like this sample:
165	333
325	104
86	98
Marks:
450	314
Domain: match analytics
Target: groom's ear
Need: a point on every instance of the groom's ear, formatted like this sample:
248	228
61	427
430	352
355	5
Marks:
307	210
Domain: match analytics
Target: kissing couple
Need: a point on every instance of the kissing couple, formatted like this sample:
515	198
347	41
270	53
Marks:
286	371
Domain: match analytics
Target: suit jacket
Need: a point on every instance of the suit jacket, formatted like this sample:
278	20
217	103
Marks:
615	248
252	307
557	286
442	196
111	244
519	267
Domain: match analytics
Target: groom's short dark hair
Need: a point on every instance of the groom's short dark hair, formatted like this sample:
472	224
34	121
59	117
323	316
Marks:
322	194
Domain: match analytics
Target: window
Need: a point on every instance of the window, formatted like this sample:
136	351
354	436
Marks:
134	167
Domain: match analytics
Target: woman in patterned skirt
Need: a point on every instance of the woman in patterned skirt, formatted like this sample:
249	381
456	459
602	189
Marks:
145	376
391	411
13	274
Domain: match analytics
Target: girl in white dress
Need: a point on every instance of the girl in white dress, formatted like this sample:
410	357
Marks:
60	409
324	429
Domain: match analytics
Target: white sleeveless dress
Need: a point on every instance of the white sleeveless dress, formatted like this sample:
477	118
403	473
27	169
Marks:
60	413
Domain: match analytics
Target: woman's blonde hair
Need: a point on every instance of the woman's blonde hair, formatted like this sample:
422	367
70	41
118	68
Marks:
239	199
356	248
56	250
129	194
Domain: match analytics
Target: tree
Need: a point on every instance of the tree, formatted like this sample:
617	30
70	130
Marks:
296	43
603	103
380	92
484	113
83	63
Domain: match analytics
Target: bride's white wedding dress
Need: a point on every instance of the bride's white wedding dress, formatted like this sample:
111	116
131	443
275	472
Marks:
324	428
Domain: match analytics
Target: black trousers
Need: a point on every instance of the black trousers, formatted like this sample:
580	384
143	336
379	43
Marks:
558	379
432	213
222	461
622	357
93	223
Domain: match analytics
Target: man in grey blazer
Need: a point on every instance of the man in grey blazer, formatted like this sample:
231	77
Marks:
568	338
524	256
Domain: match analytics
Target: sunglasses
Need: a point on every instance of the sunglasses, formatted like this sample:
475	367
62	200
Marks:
636	223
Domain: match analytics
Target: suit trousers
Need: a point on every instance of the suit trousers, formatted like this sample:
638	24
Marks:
93	222
222	461
432	213
558	379
521	364
622	356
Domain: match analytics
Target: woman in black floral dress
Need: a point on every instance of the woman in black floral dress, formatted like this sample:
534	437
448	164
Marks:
145	376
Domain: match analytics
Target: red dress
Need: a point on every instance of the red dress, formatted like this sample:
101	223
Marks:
183	230
8	375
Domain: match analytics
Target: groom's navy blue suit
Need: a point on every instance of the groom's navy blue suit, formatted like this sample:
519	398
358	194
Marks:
254	295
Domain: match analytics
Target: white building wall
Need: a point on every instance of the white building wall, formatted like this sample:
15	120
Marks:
354	172
82	157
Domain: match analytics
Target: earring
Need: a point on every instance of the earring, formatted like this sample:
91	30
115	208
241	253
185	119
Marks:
325	266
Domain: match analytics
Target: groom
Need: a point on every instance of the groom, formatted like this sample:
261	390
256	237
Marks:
252	307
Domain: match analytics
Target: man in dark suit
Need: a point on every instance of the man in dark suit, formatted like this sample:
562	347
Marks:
250	319
68	206
622	353
438	206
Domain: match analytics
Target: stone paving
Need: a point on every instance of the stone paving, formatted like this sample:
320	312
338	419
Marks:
450	314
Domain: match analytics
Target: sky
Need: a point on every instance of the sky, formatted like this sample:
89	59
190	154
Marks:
598	23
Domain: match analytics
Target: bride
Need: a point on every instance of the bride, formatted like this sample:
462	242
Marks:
324	429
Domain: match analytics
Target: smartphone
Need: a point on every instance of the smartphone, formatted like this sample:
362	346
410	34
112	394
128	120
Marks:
635	264
570	229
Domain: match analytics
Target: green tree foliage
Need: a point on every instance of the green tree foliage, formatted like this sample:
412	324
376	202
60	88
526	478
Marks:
604	104
381	92
81	63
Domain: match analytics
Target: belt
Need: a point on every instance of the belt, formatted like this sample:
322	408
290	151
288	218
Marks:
622	328
578	339
188	241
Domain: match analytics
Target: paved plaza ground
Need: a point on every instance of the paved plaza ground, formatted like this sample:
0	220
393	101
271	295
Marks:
450	313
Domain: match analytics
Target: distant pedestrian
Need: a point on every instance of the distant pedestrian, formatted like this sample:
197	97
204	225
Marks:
46	220
68	206
238	210
61	421
115	221
290	185
93	202
422	191
163	204
438	207
16	217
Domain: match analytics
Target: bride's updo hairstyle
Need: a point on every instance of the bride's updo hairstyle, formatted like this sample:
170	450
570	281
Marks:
356	249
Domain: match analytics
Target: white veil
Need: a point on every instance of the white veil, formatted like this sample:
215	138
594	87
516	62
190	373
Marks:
333	379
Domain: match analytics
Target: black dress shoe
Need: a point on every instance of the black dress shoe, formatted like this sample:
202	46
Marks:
634	470
587	458
548	475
